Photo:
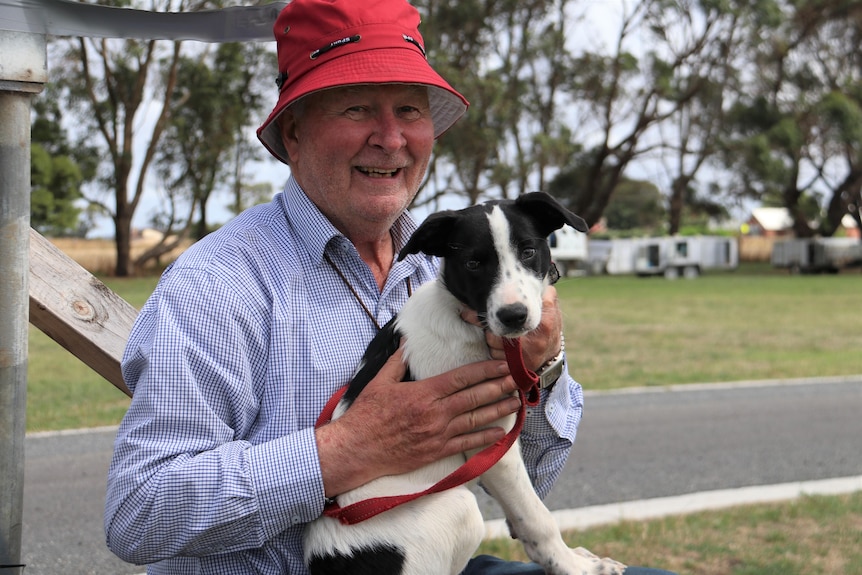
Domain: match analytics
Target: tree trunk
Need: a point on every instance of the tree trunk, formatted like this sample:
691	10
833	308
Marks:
676	204
123	241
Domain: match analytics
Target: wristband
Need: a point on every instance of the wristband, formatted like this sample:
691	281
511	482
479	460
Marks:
553	369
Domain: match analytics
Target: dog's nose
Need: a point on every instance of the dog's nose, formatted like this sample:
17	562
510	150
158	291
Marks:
513	316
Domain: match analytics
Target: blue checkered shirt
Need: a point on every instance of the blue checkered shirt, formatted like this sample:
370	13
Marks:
215	467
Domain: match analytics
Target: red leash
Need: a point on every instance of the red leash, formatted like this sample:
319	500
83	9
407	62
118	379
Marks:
527	380
528	391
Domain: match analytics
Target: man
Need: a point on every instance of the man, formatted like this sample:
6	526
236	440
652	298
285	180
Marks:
217	465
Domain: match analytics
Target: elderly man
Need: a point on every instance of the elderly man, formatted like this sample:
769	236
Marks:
218	465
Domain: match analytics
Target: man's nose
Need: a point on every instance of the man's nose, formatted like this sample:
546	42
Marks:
388	133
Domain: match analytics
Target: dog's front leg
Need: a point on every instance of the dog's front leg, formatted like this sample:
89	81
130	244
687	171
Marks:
532	522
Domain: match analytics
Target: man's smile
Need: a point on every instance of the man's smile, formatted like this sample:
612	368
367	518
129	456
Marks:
378	172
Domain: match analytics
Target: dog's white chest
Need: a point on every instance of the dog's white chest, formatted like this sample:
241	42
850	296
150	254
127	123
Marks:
437	339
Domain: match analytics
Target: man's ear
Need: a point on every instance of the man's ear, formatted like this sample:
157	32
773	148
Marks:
289	130
432	236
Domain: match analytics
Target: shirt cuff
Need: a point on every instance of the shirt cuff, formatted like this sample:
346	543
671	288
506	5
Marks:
562	406
288	481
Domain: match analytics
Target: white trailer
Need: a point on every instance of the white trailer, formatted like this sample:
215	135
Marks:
815	255
569	251
619	254
686	256
615	256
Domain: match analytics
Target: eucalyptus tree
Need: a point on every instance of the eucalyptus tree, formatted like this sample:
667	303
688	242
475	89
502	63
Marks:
548	92
703	43
635	205
510	59
203	150
121	93
107	82
795	135
840	114
649	92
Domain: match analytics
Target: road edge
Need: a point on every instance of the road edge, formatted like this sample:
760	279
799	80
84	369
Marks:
598	515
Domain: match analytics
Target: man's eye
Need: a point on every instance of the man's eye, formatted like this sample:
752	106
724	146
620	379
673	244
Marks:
356	112
410	113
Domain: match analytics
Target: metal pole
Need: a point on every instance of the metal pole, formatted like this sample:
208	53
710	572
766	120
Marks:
23	72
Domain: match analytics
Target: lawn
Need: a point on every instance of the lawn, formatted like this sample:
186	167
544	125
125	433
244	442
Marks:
620	332
62	392
629	331
811	535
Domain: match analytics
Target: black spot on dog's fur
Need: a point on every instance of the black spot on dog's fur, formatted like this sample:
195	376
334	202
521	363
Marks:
380	559
379	350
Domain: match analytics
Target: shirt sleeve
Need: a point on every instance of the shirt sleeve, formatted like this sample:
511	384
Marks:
549	432
184	478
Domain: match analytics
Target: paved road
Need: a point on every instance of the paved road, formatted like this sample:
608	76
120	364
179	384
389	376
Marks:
630	446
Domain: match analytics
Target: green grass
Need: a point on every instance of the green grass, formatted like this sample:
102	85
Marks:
620	332
811	535
62	392
629	331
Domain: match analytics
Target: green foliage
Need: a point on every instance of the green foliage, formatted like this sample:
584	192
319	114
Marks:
787	134
635	204
218	96
121	93
510	60
843	114
765	94
793	133
58	170
55	189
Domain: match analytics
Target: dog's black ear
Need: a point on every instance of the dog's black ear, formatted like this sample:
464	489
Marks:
548	213
431	237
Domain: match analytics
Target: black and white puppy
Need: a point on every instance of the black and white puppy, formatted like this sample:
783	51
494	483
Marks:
496	261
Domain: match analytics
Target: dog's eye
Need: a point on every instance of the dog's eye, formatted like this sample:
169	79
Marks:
472	265
528	254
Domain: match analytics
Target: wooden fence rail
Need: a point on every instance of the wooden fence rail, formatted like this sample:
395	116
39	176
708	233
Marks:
78	311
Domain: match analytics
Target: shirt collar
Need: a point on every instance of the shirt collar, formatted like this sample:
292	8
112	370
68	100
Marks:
316	231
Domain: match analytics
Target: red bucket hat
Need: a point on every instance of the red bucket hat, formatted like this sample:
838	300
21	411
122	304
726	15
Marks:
329	43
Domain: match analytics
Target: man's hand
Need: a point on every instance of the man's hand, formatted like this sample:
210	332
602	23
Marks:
538	346
395	427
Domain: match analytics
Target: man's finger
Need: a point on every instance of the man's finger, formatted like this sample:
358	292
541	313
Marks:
483	416
465	377
476	440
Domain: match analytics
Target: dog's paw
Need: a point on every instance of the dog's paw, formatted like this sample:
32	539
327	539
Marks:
595	565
